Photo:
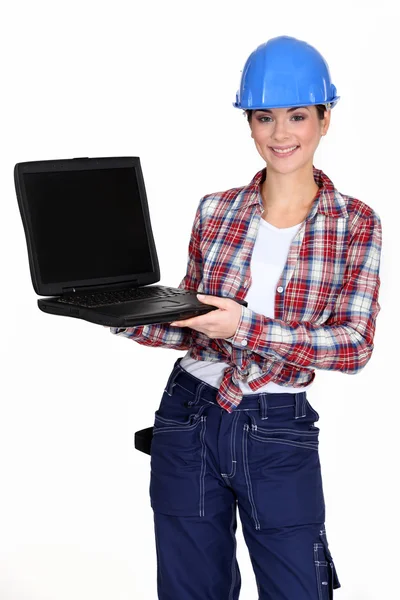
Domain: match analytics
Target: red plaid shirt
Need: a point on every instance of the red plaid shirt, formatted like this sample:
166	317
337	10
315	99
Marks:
326	299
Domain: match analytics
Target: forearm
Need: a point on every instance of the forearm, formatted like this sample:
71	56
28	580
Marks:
335	347
345	341
157	335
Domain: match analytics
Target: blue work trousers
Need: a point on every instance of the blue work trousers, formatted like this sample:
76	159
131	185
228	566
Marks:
262	459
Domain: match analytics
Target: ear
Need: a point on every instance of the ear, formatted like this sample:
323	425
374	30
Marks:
326	122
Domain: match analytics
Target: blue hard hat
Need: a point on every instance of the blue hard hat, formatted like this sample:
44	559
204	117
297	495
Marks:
285	72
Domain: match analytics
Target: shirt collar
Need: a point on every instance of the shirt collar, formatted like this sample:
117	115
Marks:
329	201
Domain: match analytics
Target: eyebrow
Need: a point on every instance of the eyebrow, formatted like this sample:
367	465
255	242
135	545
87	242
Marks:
289	110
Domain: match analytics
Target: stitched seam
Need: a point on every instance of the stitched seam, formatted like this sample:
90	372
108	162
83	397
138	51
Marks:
233	568
168	429
171	382
285	430
179	423
330	567
286	442
316	561
203	465
247	475
299	406
233	448
199	390
183	388
250	409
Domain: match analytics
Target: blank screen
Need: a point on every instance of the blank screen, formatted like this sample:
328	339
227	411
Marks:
87	224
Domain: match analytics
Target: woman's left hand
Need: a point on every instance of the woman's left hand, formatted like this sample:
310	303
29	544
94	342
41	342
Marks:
220	323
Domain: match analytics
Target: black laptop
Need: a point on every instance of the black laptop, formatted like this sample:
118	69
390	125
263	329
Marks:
90	243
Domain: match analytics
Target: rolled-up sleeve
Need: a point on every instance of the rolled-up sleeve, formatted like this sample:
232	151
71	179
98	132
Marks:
346	340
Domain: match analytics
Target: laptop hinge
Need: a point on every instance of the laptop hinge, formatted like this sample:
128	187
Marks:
98	288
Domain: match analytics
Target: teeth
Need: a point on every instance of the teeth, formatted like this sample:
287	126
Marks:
284	151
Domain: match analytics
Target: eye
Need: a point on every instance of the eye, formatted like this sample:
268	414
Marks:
261	119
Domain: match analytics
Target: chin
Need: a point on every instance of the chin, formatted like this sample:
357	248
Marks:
283	166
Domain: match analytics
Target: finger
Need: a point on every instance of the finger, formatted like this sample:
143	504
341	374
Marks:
213	300
193	322
181	323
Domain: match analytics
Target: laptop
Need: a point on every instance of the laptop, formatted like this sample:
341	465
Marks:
90	243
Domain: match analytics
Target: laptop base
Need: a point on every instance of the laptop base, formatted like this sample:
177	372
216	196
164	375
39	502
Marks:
129	314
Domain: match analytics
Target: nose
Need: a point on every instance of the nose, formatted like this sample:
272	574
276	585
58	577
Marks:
279	133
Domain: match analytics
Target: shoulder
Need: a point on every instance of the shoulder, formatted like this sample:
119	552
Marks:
337	204
360	214
220	203
224	198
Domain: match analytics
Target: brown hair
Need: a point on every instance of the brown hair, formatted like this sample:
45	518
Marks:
320	110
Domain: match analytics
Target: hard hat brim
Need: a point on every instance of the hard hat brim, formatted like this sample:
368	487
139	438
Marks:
332	102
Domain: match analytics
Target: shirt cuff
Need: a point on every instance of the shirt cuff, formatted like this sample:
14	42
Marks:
249	330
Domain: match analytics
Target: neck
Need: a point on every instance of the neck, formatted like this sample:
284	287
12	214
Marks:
289	192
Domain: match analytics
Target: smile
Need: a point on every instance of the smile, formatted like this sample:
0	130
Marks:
282	153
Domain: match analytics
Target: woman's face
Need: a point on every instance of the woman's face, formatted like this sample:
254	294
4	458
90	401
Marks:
288	127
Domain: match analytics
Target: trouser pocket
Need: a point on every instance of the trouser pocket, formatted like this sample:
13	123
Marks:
178	455
282	470
327	578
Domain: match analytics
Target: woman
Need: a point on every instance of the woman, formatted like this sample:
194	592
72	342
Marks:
234	426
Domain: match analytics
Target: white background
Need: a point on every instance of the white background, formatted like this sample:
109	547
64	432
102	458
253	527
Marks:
157	80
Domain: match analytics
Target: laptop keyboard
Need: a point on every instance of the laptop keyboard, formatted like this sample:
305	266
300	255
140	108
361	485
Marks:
116	296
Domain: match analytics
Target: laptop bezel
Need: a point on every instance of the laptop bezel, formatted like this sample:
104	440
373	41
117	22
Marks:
82	285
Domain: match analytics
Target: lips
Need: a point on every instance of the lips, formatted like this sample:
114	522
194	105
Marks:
284	154
283	147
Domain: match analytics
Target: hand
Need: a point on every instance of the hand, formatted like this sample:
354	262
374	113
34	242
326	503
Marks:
221	323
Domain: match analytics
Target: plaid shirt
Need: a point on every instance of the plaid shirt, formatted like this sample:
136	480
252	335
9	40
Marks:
326	299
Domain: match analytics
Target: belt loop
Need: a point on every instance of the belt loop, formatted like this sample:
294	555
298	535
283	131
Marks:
171	380
197	395
300	402
263	405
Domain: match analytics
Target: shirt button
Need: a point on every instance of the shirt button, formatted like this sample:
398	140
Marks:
280	289
244	342
246	282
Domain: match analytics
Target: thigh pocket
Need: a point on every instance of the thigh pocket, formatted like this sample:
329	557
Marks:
283	474
178	456
327	579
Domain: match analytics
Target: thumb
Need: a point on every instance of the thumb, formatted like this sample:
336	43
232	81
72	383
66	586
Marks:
214	300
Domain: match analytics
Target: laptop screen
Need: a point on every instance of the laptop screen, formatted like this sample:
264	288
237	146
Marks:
87	224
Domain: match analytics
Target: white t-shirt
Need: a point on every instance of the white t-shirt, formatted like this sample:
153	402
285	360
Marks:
267	262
